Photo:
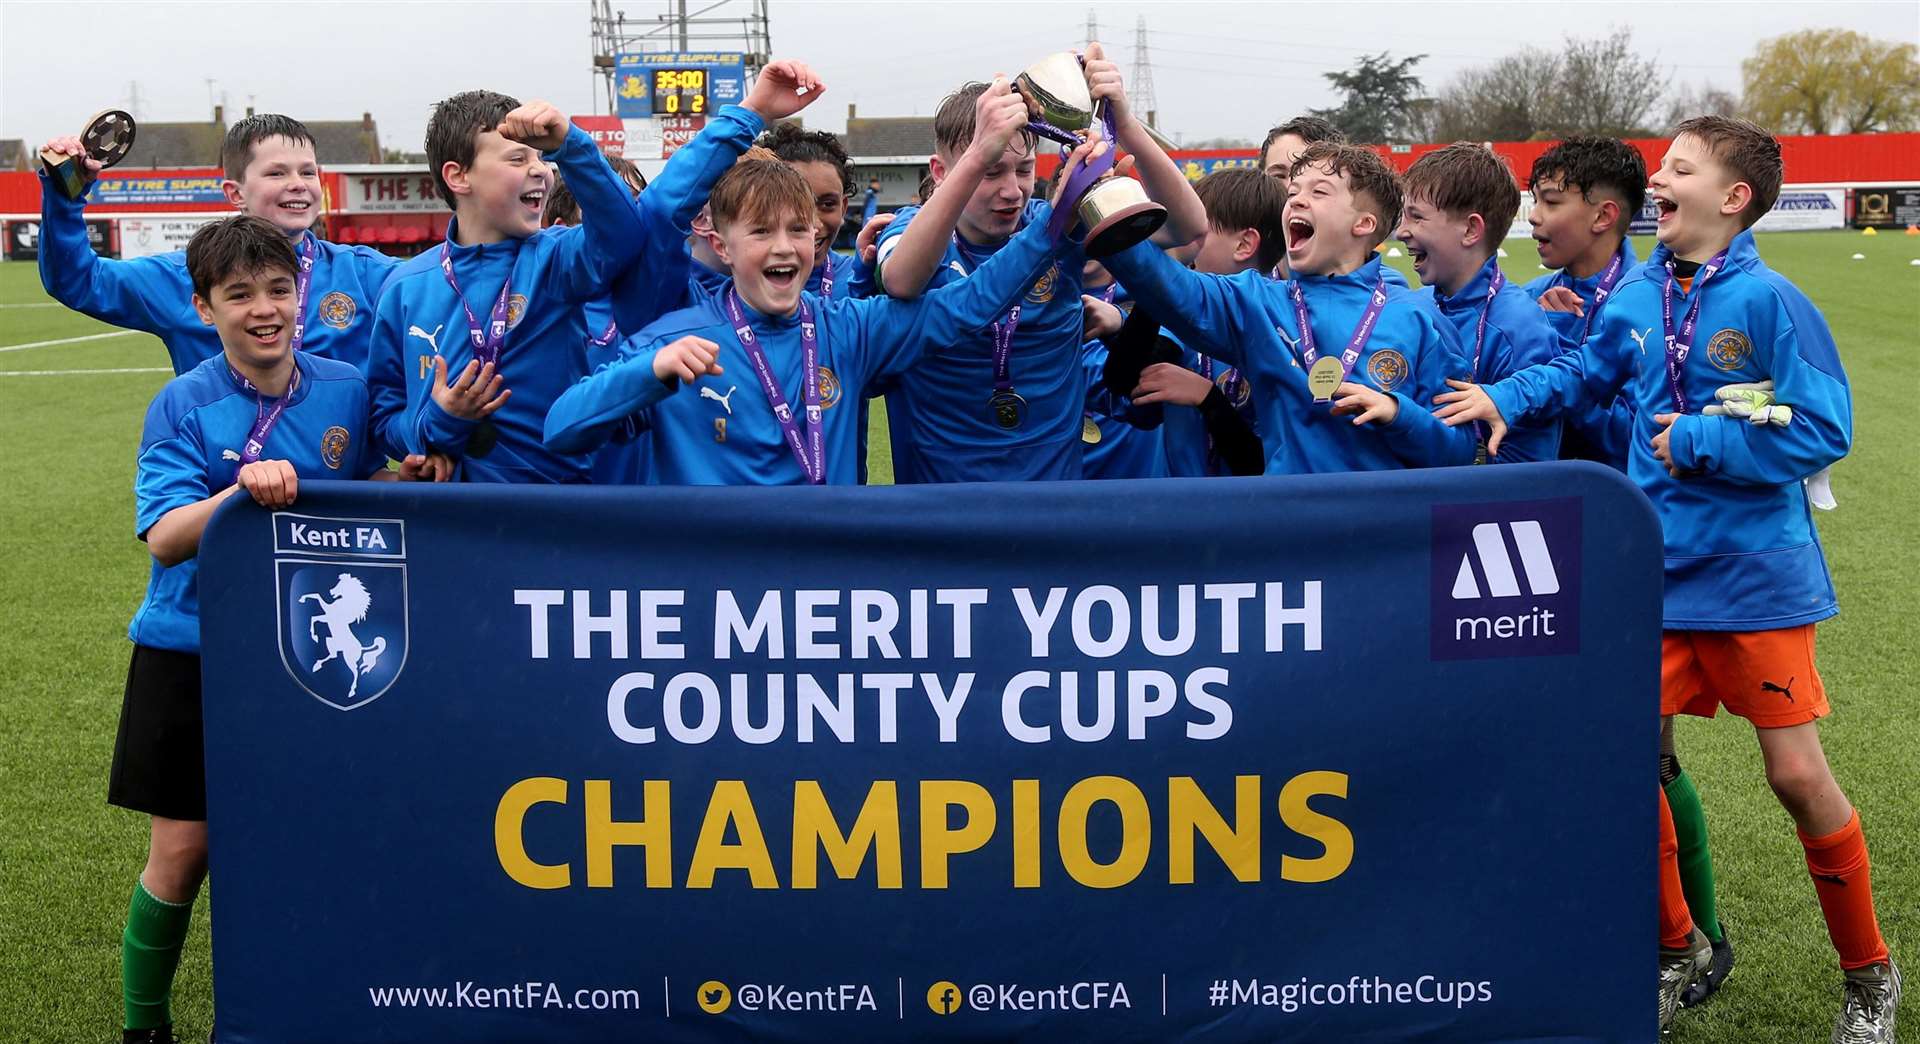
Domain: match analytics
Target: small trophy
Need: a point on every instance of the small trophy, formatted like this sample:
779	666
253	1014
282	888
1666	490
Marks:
108	138
1115	211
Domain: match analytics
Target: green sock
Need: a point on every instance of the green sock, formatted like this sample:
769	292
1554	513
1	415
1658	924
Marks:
149	953
1696	861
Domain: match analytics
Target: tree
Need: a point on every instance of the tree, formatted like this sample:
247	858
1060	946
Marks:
1701	100
1589	86
1818	80
1379	92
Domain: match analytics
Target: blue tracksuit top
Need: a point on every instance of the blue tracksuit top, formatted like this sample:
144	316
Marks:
1741	550
1598	432
190	450
1247	321
723	431
1518	336
155	295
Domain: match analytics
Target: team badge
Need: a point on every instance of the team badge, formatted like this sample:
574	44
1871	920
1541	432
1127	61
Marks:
1728	350
829	388
342	600
333	446
336	310
516	307
1388	368
1042	290
1234	387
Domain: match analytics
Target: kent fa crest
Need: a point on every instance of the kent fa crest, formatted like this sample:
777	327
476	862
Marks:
341	587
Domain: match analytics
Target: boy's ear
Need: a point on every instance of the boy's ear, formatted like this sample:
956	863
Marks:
1737	199
200	305
231	189
719	246
1476	233
1606	217
1366	224
938	168
1246	246
455	176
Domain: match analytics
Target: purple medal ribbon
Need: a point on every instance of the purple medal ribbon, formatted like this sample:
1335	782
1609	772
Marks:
300	284
485	341
826	279
264	416
1494	286
1362	331
1604	289
1107	295
1002	330
1680	345
810	451
604	338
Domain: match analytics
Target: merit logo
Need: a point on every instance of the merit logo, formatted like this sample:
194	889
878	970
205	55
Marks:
1506	579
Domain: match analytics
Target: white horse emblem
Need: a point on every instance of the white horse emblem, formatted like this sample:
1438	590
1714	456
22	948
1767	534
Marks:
348	607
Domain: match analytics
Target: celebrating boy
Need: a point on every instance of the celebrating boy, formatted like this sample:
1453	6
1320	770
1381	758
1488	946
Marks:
1746	579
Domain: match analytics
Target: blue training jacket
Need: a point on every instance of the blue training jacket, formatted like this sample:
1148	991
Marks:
945	412
723	431
190	450
155	295
1742	553
1598	432
1518	336
1247	321
554	272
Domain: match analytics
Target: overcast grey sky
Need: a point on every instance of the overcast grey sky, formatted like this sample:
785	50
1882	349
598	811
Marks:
1219	69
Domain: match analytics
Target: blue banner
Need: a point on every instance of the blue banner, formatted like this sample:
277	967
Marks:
1337	758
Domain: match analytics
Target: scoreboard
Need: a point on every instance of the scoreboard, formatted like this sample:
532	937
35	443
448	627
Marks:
677	84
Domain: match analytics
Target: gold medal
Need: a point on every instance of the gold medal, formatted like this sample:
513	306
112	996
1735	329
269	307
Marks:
1089	431
1323	378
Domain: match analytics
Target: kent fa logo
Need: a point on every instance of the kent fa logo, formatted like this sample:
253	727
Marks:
1506	579
342	598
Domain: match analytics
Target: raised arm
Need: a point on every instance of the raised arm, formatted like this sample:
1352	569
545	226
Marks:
1165	184
1210	313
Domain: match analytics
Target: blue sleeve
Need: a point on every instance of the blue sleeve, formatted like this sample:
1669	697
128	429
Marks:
894	333
172	468
1416	436
1210	313
1571	380
587	414
1536	440
138	294
588	256
434	429
860	281
1805	367
387	377
657	283
374	267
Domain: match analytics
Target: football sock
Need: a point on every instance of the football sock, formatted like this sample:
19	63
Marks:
1695	860
1844	882
149	953
1676	923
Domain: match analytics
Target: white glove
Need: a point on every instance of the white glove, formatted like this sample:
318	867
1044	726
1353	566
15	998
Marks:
1754	402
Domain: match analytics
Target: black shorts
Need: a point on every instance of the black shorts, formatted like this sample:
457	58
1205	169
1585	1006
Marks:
159	756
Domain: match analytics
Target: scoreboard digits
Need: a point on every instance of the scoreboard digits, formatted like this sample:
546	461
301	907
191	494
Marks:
679	92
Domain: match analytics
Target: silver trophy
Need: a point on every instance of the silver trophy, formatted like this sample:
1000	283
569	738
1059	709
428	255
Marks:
1115	211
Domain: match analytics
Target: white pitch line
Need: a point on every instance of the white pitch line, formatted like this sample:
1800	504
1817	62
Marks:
66	340
35	304
70	373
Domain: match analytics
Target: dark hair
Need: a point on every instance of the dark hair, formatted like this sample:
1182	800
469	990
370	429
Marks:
925	189
1368	177
1464	179
453	132
563	209
1242	198
237	151
756	188
953	120
1746	149
1310	129
795	144
238	244
1590	164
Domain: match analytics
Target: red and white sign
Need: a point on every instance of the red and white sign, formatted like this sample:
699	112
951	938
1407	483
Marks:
676	131
391	193
609	132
